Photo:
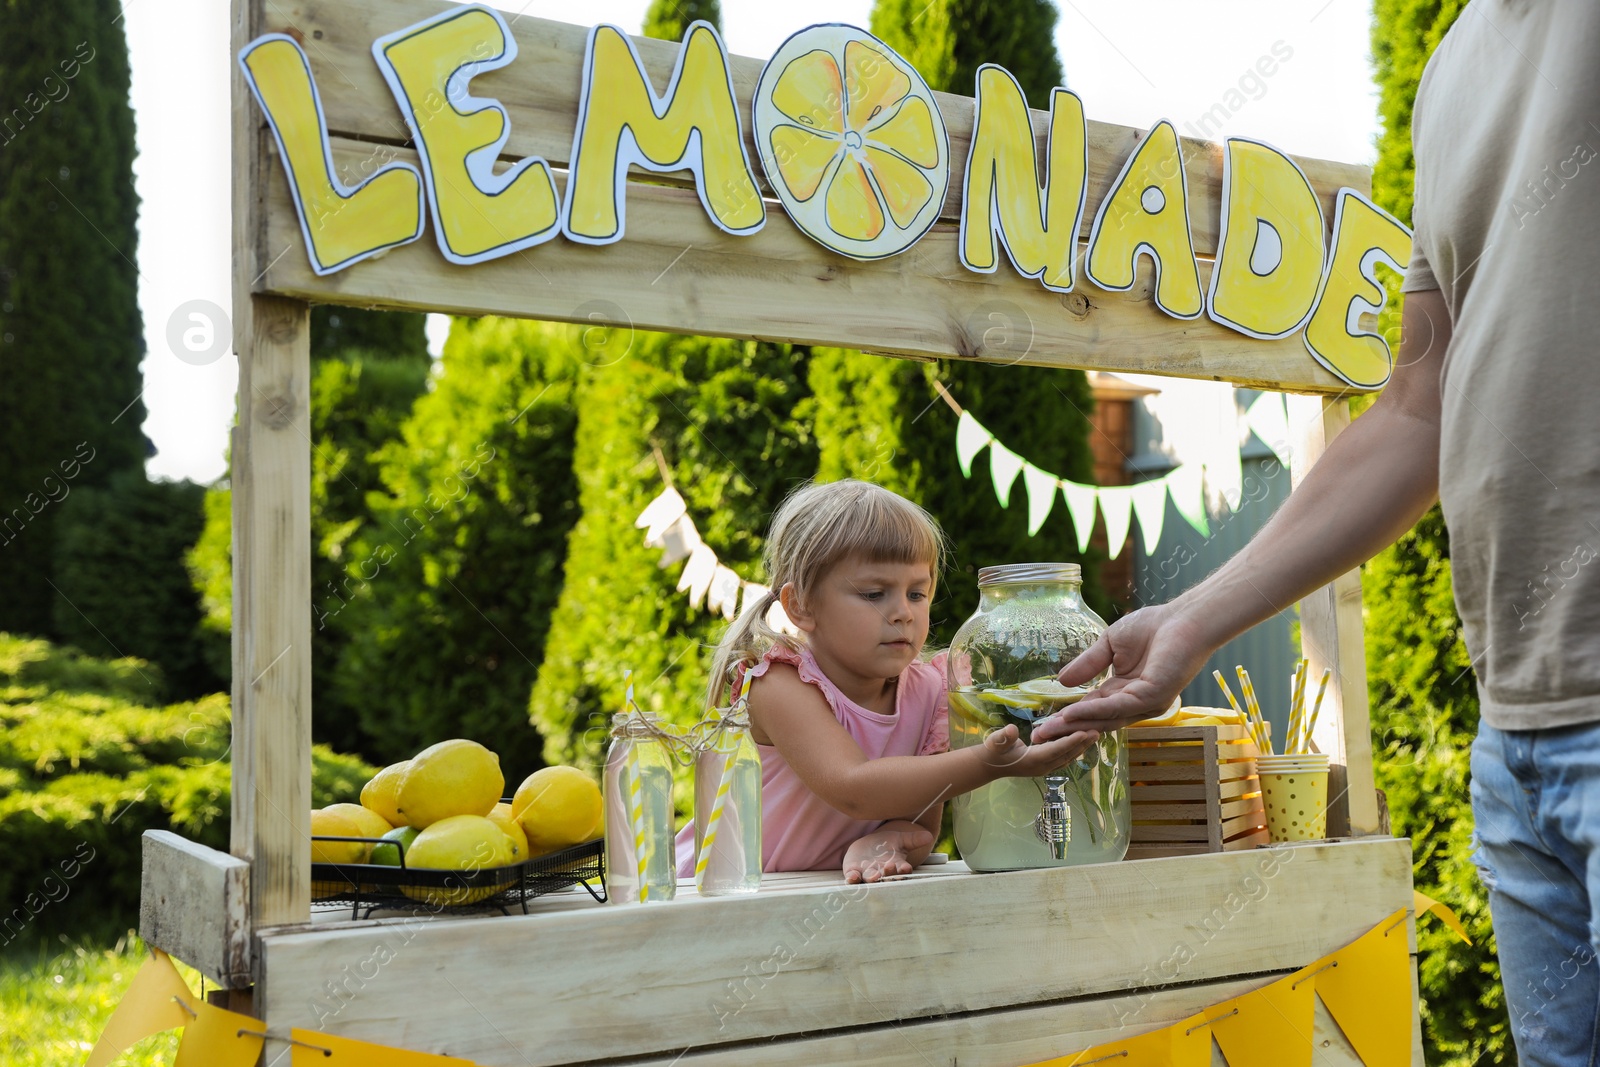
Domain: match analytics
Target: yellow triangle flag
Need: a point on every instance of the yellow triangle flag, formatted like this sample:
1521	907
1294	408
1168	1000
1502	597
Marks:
1183	1044
213	1039
147	1008
1367	988
309	1045
1271	1027
1422	904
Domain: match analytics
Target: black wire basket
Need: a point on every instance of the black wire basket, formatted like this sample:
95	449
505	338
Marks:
369	887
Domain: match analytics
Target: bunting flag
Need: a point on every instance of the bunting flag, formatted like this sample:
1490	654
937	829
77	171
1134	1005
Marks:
1366	987
150	1007
1423	904
667	526
1268	419
216	1037
1119	505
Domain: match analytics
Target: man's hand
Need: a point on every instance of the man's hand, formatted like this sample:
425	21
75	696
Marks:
1153	652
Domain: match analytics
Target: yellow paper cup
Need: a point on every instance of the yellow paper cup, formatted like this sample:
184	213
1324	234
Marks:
1297	804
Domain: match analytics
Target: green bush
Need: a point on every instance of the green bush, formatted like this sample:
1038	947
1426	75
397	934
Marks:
86	768
457	573
124	587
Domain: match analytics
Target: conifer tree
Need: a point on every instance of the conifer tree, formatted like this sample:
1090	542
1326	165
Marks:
884	420
71	335
1423	697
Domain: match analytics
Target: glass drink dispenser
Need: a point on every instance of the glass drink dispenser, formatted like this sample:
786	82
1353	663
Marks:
1031	621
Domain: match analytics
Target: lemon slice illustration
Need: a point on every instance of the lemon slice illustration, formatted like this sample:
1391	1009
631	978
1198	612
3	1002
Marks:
852	141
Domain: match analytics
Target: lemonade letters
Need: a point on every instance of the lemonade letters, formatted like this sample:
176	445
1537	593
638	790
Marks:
855	147
341	224
1003	198
1147	213
477	214
694	125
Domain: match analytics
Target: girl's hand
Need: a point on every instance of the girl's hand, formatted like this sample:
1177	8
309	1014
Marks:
884	854
1005	751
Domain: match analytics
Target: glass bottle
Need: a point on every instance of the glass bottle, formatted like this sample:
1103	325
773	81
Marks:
637	788
1031	621
727	810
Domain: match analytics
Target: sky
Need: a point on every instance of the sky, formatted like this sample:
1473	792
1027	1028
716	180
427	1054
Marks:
1131	63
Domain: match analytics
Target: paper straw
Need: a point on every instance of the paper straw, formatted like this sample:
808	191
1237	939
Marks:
724	785
636	797
1297	704
1317	707
1250	702
1249	723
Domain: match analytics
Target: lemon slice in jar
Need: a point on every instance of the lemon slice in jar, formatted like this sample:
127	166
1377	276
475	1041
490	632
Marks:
968	708
1011	698
1051	689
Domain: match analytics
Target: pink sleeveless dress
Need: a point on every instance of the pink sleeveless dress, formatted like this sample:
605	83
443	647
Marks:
799	830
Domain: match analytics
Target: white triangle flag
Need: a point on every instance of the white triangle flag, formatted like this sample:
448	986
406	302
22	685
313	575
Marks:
1116	505
678	540
1270	422
723	594
1150	504
660	513
1004	466
697	573
970	439
778	619
1041	495
1187	486
1080	505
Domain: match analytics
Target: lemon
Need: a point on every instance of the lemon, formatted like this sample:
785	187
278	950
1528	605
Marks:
455	777
381	794
558	807
502	817
458	843
328	823
368	823
1010	698
1051	689
390	855
967	707
852	141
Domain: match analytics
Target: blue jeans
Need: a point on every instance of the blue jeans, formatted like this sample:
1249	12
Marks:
1536	805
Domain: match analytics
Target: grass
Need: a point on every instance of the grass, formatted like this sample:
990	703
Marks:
55	1000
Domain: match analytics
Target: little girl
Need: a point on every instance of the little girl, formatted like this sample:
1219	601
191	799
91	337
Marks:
849	720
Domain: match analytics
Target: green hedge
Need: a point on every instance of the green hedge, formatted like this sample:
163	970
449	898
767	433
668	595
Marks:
86	768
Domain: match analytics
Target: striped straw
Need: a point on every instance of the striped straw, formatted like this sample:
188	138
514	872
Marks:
724	786
1297	705
1317	707
1255	708
636	800
1249	723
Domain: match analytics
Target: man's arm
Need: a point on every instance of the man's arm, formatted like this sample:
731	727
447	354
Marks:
1371	485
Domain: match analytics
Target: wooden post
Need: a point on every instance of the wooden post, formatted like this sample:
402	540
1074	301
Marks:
1331	636
271	478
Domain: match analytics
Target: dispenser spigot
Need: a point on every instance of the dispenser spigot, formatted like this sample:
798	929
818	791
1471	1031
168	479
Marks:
1053	824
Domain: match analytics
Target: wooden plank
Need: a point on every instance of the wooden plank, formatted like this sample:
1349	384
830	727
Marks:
1007	1038
1253	839
1331	637
271	478
194	904
1151	793
720	971
678	272
540	89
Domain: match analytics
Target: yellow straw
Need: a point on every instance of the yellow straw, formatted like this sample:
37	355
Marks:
724	786
636	802
1255	708
1249	723
1297	704
1317	707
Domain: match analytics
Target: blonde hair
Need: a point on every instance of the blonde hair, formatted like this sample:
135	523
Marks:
815	527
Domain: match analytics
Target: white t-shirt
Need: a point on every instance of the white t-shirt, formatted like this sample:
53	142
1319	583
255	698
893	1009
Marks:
1507	220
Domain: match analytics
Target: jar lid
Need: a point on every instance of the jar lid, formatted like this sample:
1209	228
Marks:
1019	573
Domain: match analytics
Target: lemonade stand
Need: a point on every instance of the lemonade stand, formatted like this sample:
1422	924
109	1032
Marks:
408	154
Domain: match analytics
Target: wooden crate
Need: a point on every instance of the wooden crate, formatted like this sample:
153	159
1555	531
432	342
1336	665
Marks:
1194	790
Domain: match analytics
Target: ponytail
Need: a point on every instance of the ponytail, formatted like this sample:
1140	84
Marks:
747	638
